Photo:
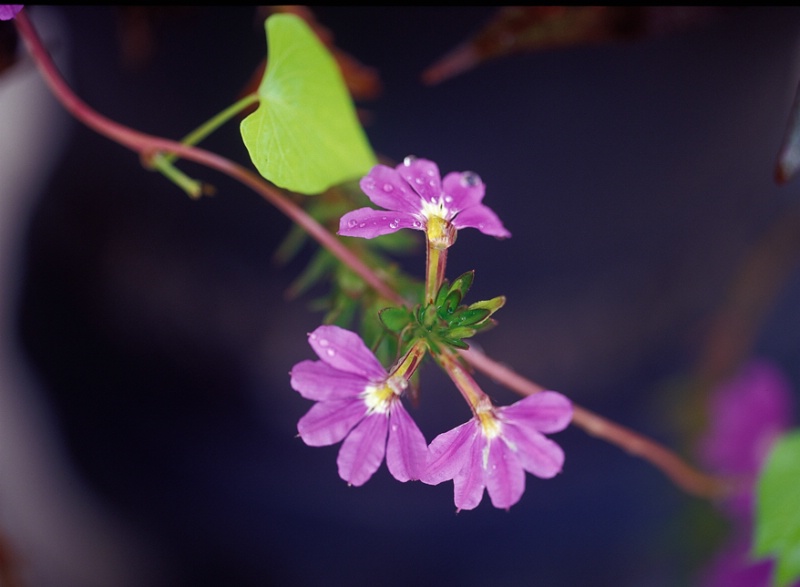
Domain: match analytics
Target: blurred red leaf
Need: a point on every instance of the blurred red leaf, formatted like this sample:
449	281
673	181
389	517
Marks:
517	29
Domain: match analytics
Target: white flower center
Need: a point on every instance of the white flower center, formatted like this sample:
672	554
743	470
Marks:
379	398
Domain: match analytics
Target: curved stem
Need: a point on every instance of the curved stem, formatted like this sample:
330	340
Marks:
147	146
679	471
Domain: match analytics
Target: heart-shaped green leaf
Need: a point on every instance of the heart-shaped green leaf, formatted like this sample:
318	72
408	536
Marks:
305	135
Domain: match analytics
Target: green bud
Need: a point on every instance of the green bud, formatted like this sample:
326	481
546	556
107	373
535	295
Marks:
492	305
470	317
462	284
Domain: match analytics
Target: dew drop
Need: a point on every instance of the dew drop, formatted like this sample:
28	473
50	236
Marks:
394	223
419	180
352	223
417	224
388	188
430	171
362	225
470	179
409	160
432	183
331	352
323	342
448	199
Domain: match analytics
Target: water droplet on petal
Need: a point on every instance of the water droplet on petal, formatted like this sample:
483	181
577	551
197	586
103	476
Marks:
388	188
419	180
352	223
430	171
409	160
417	224
323	342
448	198
331	352
362	225
432	183
394	223
470	179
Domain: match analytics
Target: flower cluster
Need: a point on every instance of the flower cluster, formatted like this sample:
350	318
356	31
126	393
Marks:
360	403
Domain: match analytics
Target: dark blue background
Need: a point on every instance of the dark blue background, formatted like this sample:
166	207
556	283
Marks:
635	178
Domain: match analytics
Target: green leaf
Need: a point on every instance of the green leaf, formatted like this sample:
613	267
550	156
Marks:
777	531
305	135
396	319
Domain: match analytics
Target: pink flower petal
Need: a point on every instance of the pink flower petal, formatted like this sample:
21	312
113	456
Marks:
468	483
465	188
9	11
406	450
386	188
344	350
449	452
320	382
423	177
546	412
328	422
538	455
369	223
482	218
504	476
363	449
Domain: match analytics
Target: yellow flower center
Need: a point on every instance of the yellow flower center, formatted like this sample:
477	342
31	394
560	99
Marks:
379	398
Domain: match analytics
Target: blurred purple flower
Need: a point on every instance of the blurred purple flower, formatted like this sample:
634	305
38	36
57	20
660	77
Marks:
747	414
9	11
414	196
360	403
494	449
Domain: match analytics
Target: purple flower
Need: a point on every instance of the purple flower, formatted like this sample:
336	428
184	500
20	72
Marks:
9	11
747	414
414	196
494	449
360	403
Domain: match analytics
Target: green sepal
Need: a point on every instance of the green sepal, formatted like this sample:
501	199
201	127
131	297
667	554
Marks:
444	289
451	303
455	342
492	305
461	332
470	317
462	284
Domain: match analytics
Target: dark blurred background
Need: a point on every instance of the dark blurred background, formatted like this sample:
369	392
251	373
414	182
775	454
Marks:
636	177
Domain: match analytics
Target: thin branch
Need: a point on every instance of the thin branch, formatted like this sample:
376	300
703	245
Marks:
679	471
